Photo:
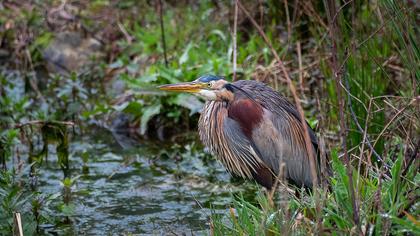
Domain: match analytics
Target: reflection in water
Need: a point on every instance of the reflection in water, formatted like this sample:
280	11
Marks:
141	189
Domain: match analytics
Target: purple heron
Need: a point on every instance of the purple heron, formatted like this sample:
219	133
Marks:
252	130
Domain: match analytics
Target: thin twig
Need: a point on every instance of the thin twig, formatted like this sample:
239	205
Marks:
235	28
162	30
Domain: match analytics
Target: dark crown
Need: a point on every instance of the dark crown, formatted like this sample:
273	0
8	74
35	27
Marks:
208	78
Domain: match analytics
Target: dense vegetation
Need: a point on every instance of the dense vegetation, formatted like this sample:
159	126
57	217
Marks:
69	67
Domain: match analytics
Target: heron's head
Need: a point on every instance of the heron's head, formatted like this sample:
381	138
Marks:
210	87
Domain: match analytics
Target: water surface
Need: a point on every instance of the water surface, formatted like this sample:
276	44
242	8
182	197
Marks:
149	188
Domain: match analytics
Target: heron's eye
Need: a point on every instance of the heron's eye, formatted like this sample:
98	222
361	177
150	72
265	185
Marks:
209	84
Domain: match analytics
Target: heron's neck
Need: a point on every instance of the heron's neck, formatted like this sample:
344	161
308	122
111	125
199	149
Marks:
225	95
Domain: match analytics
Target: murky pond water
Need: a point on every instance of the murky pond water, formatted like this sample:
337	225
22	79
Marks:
149	188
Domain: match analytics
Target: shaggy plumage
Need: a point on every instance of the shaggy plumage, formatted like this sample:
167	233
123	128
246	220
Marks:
255	131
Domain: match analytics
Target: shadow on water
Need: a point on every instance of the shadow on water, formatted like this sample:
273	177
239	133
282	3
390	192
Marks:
146	188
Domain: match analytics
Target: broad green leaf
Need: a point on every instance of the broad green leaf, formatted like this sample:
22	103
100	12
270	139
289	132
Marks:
219	33
184	57
190	102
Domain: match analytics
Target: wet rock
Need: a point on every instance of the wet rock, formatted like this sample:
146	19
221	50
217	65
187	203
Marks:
71	52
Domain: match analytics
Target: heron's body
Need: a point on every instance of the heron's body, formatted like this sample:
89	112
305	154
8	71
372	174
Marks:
262	135
253	130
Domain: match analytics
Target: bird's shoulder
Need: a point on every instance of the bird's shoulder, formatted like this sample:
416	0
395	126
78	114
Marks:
279	107
264	94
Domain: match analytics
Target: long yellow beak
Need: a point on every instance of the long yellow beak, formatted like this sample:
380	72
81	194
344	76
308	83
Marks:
188	87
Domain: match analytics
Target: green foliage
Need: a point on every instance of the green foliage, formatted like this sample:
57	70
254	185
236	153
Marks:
16	196
378	215
7	140
401	22
14	200
52	133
